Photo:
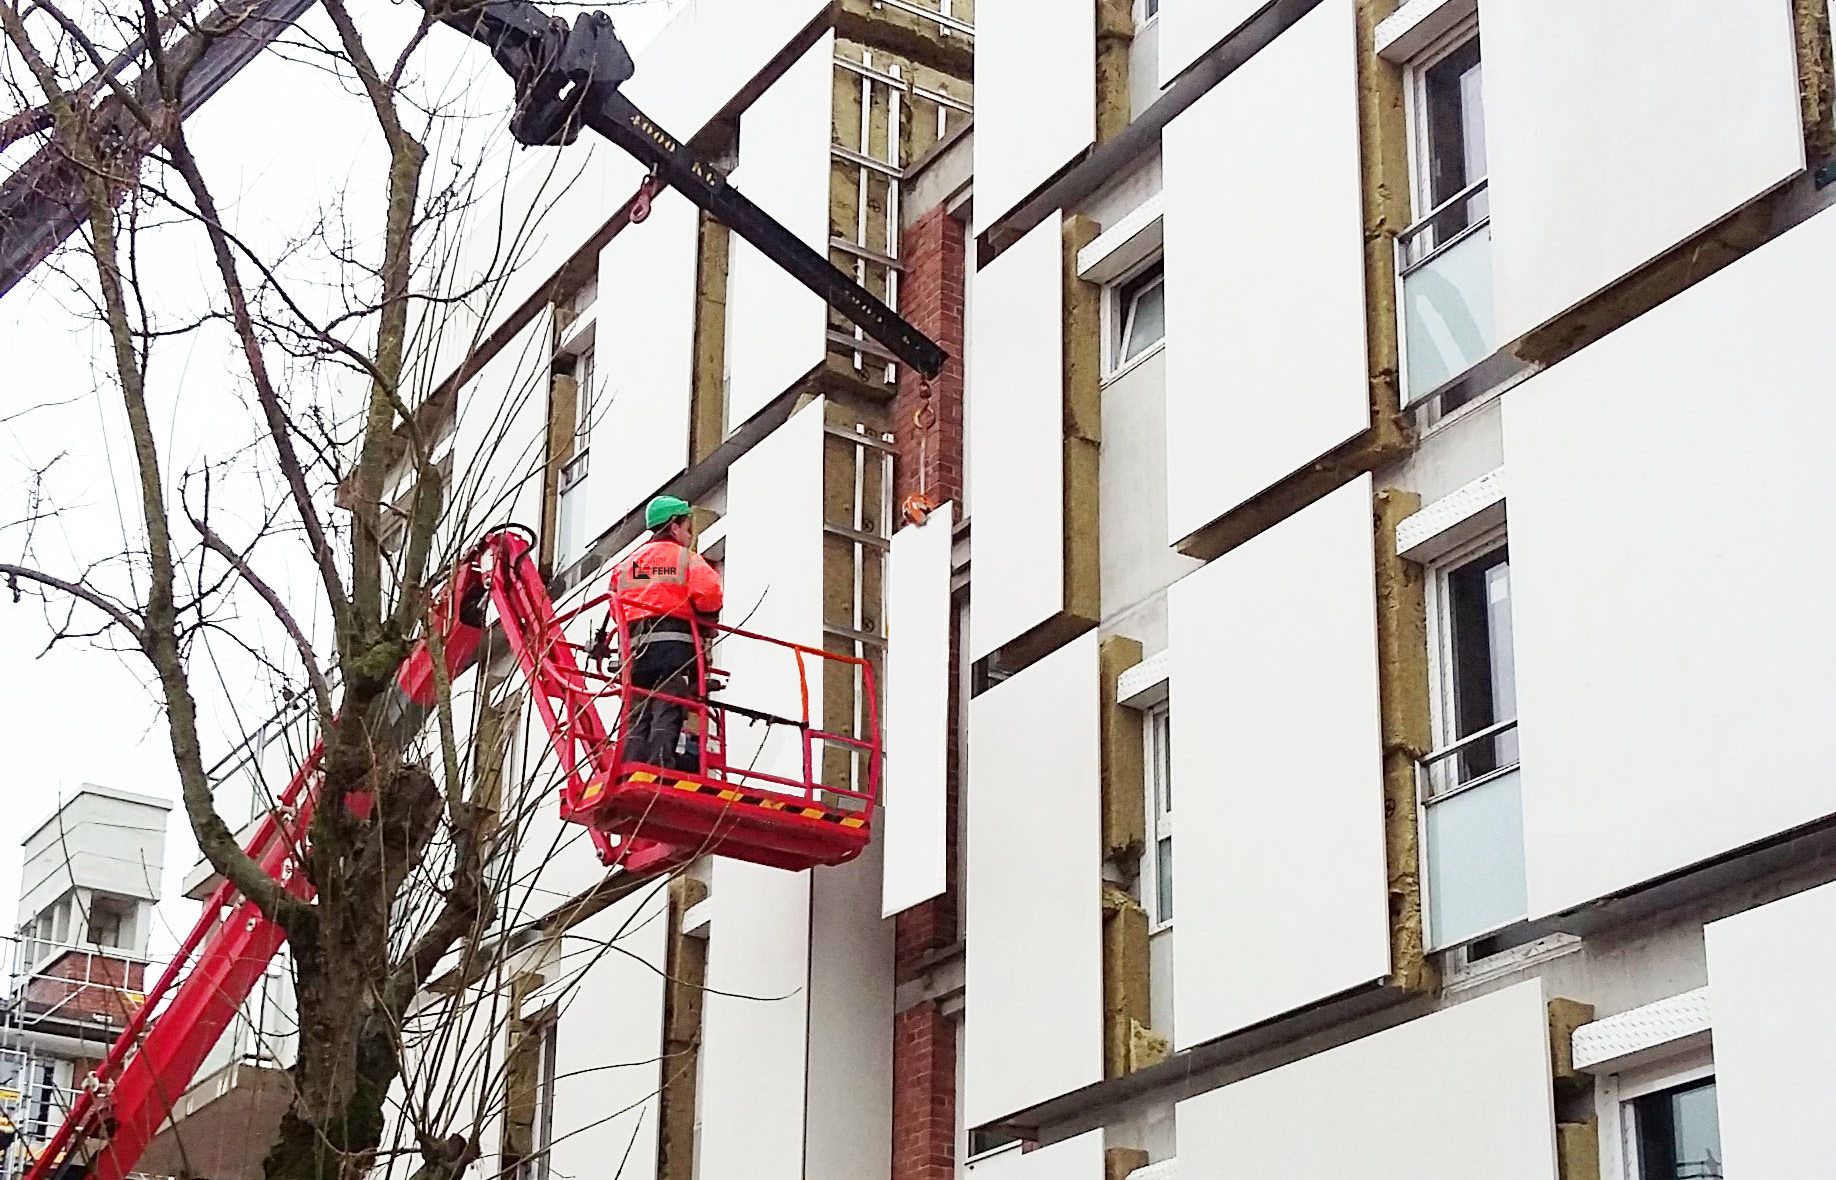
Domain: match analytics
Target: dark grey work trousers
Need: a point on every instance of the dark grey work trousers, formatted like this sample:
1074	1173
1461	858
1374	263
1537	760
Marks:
665	664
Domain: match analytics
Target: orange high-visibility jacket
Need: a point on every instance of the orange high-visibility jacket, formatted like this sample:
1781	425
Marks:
664	578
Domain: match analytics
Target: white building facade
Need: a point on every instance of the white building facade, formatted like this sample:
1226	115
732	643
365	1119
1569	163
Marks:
1382	429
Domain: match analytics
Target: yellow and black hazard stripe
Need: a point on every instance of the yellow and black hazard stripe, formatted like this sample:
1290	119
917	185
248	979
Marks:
763	802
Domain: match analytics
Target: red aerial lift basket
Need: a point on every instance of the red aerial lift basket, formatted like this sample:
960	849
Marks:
809	800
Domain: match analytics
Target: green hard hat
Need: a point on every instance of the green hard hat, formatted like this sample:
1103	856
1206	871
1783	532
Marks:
664	509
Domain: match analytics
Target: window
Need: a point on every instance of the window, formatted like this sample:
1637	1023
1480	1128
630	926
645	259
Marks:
1158	732
1675	1134
1145	11
1482	693
1468	787
1444	257
1138	317
109	922
529	1130
570	522
1452	137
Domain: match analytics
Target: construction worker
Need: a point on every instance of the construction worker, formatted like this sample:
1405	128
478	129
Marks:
663	591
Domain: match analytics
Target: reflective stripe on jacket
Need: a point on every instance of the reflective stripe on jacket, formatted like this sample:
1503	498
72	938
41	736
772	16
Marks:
664	578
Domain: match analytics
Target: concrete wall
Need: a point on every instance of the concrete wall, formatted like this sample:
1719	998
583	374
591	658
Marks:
1265	272
1277	768
1582	184
1034	1027
1669	621
1482	1067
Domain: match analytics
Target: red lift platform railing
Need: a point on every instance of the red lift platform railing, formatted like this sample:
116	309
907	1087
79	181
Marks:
644	819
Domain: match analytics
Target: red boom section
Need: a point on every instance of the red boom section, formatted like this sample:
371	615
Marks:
643	819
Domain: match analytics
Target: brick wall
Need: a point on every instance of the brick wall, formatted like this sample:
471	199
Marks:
924	1094
78	985
928	440
931	297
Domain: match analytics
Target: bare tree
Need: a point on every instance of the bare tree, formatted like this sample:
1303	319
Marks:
306	556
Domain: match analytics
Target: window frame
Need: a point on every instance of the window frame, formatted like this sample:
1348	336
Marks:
1147	12
1482	382
1160	910
1624	1091
1443	717
573	473
1443	713
1415	106
1117	316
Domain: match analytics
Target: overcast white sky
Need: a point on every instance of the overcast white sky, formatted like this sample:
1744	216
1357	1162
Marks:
284	142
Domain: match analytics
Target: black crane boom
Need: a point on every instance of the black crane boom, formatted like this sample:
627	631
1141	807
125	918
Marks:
566	76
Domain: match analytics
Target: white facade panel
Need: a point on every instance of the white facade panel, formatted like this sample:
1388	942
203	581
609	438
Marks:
1583	184
609	1041
1775	1035
1266	366
643	361
1340	1113
1189	29
1074	1159
709	52
1035	97
774	583
1016	439
913	825
849	1129
1034	1026
777	328
1275	725
755	1027
1670	624
499	443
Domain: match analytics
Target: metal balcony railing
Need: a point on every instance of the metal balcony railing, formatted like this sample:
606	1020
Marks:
1472	835
83	983
1444	262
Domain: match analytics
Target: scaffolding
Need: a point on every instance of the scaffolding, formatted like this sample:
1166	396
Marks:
62	1005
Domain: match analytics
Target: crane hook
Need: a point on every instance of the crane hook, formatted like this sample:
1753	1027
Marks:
648	190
